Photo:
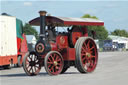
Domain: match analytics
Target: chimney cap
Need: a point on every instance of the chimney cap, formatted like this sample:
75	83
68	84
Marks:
42	13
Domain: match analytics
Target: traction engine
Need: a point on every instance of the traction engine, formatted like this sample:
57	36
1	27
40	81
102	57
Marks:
57	51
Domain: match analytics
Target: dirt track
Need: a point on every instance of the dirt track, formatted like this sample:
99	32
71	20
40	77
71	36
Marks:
112	69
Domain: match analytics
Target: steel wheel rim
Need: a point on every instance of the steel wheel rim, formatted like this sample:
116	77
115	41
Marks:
54	64
32	64
89	55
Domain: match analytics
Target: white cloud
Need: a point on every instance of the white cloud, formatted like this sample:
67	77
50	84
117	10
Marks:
27	3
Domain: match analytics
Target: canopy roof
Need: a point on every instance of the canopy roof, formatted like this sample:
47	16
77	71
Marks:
67	21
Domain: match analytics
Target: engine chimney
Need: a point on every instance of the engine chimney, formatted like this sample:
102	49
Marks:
42	24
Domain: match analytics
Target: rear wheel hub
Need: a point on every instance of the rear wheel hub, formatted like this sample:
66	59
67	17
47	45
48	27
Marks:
55	63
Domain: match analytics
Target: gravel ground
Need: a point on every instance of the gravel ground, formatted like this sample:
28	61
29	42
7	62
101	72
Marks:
112	69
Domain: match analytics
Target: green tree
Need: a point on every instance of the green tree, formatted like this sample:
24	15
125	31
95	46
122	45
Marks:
119	32
101	32
29	30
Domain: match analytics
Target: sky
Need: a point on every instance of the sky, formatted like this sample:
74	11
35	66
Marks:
114	13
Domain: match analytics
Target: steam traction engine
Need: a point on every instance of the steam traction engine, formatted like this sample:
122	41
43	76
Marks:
57	51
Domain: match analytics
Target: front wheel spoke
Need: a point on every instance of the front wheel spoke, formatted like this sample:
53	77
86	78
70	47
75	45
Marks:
84	58
59	64
54	55
49	59
57	68
57	58
52	69
49	65
52	58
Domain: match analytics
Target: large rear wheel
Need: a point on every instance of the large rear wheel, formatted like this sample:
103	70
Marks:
32	64
86	55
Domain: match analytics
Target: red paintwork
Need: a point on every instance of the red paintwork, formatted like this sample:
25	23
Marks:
64	21
22	45
62	41
68	54
5	60
71	54
61	45
18	45
24	48
85	31
53	46
83	23
75	37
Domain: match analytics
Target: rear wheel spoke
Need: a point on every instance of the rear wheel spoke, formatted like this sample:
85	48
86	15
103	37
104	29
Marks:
92	48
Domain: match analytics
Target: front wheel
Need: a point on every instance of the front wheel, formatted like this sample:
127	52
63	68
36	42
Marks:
53	63
31	64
